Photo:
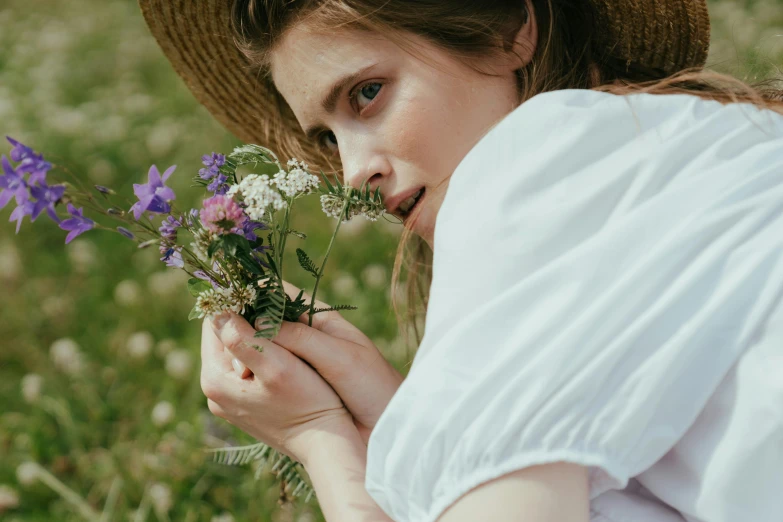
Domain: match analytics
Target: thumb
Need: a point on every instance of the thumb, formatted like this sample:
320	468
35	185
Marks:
237	337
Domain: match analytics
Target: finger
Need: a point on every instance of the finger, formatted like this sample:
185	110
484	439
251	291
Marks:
213	355
242	370
238	339
331	323
215	409
319	349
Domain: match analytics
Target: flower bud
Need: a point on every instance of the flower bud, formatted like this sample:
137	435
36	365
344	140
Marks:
148	243
105	190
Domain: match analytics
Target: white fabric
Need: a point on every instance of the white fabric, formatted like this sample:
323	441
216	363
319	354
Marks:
608	275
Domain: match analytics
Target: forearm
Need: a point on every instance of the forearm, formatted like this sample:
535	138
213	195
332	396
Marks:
336	466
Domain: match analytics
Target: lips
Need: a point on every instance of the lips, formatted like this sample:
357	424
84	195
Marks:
395	203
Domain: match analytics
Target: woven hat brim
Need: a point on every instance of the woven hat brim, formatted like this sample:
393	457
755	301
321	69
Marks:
195	36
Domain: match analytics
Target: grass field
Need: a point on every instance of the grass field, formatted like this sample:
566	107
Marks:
98	364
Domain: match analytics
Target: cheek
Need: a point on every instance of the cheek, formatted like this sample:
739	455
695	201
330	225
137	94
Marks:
424	133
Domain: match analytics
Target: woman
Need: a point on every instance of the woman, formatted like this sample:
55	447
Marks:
605	328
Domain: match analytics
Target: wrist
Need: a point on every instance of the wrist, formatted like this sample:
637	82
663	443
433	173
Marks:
332	444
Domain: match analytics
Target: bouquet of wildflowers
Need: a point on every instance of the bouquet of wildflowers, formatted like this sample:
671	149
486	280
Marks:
236	239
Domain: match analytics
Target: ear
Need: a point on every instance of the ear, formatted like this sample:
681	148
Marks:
525	40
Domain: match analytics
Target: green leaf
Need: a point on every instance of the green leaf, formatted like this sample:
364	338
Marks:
328	185
196	286
217	244
300	235
193	314
233	243
306	263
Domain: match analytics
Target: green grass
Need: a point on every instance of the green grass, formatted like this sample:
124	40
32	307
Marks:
83	81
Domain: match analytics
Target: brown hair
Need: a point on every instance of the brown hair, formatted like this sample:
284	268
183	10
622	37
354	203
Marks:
568	55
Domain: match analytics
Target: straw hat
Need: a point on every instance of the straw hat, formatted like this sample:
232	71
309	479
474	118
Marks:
195	36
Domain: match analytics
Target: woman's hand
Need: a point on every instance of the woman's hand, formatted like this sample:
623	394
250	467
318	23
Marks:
283	402
346	359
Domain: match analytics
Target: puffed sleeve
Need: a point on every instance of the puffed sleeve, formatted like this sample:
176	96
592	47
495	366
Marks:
600	262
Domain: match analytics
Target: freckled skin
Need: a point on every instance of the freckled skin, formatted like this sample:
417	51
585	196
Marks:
421	123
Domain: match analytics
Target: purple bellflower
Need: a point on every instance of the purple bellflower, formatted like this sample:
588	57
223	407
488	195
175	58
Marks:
125	232
76	224
25	208
29	161
47	197
154	196
13	184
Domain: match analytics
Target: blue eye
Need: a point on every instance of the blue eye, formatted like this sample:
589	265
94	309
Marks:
328	139
371	90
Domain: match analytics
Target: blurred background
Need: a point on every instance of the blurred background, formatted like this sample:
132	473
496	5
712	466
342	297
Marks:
99	367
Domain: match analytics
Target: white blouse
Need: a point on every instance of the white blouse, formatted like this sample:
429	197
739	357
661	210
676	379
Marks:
607	291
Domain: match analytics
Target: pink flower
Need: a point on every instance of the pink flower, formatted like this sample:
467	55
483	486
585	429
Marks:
222	215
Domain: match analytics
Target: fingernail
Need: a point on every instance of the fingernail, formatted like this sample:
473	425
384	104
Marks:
238	366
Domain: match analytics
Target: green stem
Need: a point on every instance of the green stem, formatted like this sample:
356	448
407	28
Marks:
323	264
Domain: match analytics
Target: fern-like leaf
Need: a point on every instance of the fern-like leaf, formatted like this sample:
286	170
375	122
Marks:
306	263
335	308
283	467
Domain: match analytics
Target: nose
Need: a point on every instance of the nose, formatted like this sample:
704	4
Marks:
362	163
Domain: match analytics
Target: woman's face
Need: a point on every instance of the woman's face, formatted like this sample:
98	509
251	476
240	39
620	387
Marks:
398	121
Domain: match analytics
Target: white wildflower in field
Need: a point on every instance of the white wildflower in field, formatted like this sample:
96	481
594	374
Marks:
139	345
165	346
9	498
82	253
127	293
344	285
179	364
375	276
57	306
223	517
166	283
10	263
259	196
66	356
162	413
31	387
161	497
27	473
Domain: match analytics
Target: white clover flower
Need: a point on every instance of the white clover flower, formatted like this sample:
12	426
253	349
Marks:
66	356
239	298
31	387
27	473
259	196
211	302
203	238
161	496
178	364
127	293
375	276
223	517
139	345
9	499
162	413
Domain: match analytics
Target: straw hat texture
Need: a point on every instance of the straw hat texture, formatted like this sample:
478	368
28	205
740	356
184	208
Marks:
195	36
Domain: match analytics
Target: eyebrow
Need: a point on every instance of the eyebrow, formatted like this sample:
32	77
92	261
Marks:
329	103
